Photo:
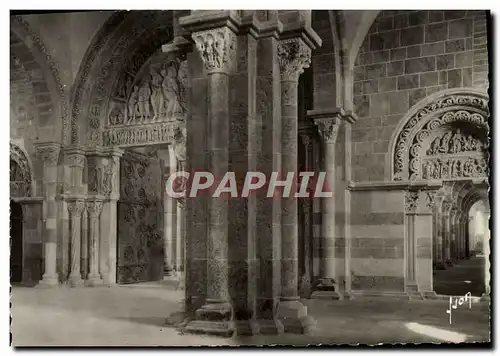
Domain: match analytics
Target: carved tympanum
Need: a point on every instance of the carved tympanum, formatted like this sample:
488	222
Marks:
412	142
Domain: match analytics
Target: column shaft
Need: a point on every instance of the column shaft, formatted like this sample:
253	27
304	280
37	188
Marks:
49	155
75	208
94	209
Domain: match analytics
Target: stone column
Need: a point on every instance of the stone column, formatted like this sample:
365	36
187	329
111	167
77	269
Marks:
412	200
75	208
487	251
94	208
453	233
48	153
328	123
179	245
294	55
305	279
217	49
446	206
108	218
424	243
84	264
168	231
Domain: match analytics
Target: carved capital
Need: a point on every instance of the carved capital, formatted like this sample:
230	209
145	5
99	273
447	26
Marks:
411	202
49	153
217	48
446	207
294	56
75	207
94	208
75	159
328	128
430	200
306	140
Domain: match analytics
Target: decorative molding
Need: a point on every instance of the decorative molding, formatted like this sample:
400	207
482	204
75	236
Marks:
416	132
294	55
411	201
20	173
40	46
217	48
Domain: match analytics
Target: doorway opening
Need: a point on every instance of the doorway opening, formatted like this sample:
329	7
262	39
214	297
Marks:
16	243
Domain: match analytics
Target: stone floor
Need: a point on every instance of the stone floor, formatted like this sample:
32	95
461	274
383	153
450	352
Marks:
134	315
465	276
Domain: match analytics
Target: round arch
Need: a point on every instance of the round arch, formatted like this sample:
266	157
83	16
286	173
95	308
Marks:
121	47
21	172
28	51
443	113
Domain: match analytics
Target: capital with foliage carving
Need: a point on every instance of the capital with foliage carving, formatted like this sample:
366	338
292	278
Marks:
294	55
411	201
217	48
94	208
75	207
328	128
48	152
430	200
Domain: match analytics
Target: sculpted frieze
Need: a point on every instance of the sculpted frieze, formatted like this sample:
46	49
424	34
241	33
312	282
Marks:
452	168
140	135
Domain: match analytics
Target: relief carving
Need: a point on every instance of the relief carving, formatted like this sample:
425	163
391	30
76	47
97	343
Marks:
401	164
20	173
94	208
140	135
451	168
217	48
48	153
454	143
411	201
294	56
328	129
75	208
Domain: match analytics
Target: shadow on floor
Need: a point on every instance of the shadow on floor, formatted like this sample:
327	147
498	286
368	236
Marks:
464	277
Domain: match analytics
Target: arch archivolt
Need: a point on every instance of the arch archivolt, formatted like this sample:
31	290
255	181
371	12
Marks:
21	177
115	58
445	139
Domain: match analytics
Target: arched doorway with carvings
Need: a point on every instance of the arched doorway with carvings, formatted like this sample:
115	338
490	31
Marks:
443	146
135	102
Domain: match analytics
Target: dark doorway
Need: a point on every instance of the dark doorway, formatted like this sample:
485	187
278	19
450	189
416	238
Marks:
16	242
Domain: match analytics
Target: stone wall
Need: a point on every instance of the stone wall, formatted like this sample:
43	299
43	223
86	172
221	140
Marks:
406	56
378	240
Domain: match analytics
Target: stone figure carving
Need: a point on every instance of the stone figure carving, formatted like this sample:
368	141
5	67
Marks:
116	117
157	99
454	143
216	47
144	97
182	76
170	91
454	168
133	105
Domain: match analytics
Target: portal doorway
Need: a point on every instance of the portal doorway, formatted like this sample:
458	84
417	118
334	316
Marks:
16	243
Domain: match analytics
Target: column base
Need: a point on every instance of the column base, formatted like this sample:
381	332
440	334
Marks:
267	327
348	295
430	295
48	281
325	289
94	281
75	281
293	315
214	319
